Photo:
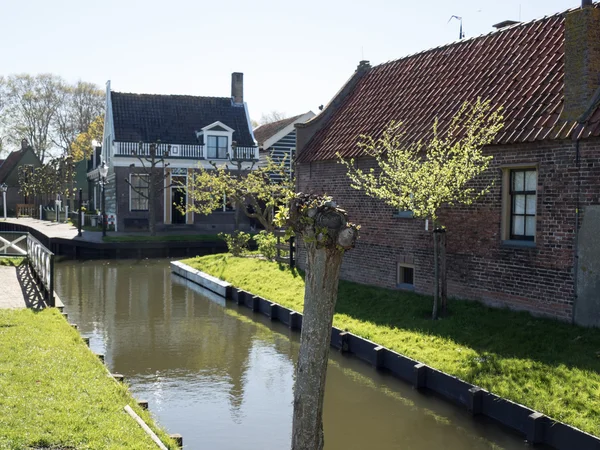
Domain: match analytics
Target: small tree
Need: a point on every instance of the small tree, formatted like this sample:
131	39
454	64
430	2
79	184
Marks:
327	234
423	177
265	189
152	177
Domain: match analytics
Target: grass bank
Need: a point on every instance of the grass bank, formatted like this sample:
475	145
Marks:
546	365
54	393
163	238
11	261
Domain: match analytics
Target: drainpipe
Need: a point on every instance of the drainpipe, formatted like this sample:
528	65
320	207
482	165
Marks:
576	243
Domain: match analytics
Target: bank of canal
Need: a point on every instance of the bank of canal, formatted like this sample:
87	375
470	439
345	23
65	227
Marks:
223	377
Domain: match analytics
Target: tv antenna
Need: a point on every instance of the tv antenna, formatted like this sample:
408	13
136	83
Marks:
460	32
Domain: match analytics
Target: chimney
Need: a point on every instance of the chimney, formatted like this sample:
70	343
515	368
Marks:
237	87
24	144
582	60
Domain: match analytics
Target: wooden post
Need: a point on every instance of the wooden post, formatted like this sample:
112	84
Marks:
436	278
277	246
443	271
292	248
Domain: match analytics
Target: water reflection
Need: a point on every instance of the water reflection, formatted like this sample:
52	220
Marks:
223	377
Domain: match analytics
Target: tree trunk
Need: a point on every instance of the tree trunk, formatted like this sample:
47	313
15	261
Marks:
237	215
443	272
321	288
436	279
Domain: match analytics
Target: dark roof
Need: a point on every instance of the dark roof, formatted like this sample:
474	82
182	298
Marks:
268	130
11	161
520	68
175	118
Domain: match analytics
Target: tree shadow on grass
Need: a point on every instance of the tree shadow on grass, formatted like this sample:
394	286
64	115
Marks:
503	332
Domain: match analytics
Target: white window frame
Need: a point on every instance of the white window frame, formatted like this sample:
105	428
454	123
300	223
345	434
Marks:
131	190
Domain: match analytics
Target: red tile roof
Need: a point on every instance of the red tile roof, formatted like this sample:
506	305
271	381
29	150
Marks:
520	68
264	132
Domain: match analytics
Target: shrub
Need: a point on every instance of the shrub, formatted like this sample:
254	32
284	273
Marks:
237	242
266	244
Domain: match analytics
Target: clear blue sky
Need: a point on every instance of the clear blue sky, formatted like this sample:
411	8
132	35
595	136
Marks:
294	55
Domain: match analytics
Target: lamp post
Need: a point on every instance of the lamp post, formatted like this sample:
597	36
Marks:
81	216
4	188
103	171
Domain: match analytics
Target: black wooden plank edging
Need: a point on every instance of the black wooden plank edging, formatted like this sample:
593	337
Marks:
535	426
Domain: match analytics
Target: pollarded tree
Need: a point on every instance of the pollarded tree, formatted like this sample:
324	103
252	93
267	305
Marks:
150	182
327	234
265	189
425	176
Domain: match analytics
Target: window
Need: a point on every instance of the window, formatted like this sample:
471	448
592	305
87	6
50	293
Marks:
406	276
226	204
523	204
217	147
138	192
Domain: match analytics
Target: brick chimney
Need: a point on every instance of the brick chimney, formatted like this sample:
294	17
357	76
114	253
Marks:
237	87
24	144
582	59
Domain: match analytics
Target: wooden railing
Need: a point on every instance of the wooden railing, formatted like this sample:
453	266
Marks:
286	249
183	151
41	263
26	210
13	243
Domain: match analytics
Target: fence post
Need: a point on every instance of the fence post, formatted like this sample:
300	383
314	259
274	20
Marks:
292	248
41	213
278	242
51	289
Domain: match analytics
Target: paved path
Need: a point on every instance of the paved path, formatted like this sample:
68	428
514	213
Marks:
57	230
11	293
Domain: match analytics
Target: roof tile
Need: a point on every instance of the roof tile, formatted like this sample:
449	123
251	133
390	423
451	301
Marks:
520	68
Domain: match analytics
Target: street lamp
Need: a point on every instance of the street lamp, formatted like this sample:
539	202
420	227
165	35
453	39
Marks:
4	188
103	171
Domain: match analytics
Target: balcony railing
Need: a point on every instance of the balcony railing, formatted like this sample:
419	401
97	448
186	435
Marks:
183	151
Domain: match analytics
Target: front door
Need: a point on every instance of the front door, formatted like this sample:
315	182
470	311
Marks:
179	202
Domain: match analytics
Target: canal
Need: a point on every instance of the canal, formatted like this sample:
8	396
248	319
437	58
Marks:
223	377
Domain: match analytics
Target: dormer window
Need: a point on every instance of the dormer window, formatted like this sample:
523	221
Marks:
217	147
216	138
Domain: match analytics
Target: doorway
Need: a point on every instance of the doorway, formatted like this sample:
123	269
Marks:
179	198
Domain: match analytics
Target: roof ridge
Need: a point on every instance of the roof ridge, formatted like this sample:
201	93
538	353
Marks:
171	95
481	36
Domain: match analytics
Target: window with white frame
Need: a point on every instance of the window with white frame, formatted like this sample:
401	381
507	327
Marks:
523	204
217	147
405	275
138	192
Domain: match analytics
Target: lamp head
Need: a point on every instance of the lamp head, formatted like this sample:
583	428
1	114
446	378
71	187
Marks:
103	169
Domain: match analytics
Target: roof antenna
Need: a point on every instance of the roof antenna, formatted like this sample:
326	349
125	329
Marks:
460	32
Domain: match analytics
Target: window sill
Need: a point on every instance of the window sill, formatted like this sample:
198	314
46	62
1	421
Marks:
404	215
405	287
513	243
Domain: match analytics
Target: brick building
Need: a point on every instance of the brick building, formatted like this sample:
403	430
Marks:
532	243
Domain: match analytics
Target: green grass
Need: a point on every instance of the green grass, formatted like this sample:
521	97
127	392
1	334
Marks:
11	261
163	238
549	366
54	393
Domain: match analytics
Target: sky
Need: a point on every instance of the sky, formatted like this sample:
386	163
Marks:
294	55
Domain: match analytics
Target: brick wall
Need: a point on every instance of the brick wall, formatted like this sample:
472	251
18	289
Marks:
480	266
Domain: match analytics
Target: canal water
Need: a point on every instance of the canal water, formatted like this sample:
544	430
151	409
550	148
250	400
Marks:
222	376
